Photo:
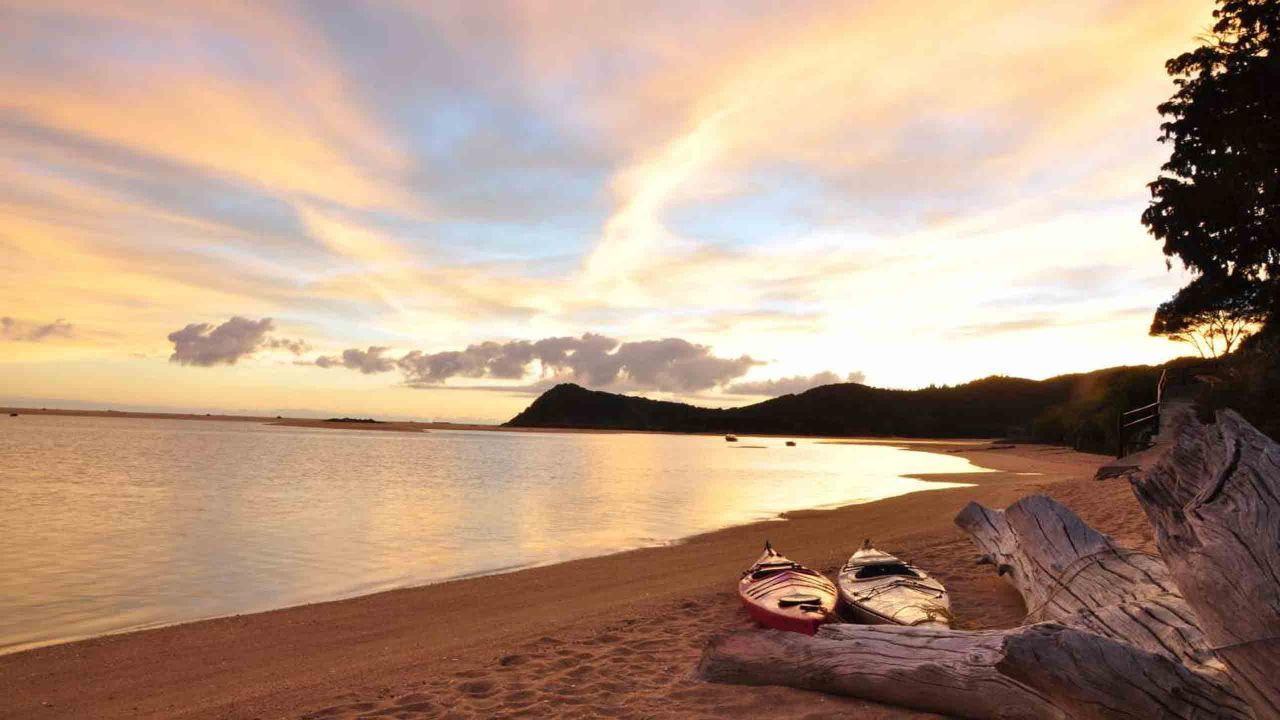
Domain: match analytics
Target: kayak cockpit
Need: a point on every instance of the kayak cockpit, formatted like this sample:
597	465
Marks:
876	587
785	595
867	572
765	569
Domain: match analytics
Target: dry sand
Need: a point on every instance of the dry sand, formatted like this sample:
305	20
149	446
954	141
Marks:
615	636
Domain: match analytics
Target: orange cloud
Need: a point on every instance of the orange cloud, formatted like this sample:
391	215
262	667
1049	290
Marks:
834	90
299	134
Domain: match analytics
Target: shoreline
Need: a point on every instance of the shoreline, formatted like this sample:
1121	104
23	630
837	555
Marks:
905	444
415	426
286	662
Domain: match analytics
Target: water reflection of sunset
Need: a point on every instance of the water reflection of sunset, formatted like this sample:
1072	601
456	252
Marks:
133	523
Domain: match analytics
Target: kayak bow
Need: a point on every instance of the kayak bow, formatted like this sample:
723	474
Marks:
783	594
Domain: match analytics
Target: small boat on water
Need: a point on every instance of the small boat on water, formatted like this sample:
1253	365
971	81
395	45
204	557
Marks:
783	594
731	438
791	443
880	589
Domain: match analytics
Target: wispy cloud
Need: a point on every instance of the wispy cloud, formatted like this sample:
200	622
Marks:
1046	321
14	329
793	384
863	131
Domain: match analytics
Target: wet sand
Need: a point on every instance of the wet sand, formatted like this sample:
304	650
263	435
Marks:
412	426
419	427
394	425
616	636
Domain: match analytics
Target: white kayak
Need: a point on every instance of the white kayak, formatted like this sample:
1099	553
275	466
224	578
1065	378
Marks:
879	589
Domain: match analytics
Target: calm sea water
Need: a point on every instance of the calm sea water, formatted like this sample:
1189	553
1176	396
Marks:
112	524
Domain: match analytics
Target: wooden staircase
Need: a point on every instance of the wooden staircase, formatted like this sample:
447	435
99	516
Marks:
1145	429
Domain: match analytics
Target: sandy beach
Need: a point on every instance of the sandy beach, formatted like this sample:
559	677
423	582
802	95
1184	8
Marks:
615	636
694	280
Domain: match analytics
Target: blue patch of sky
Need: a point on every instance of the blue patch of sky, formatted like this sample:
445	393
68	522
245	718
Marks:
500	177
548	249
770	207
484	163
786	204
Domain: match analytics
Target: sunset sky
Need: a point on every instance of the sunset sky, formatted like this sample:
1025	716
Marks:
308	207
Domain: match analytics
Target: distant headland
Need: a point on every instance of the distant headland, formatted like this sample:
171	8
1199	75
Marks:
1077	410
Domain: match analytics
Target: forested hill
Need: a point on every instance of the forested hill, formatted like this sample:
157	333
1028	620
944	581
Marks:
1078	410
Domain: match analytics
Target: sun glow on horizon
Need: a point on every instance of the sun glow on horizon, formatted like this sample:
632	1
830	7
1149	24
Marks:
917	193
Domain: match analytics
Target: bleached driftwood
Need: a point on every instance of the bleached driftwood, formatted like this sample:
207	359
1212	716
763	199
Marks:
1121	641
1034	671
1212	494
1069	573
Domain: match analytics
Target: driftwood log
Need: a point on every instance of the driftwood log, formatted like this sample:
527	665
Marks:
1069	573
1212	494
1034	671
1111	638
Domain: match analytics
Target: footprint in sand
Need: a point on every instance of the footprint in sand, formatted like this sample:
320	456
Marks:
420	708
519	696
477	688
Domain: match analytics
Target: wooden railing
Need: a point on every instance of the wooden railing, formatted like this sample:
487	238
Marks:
1136	428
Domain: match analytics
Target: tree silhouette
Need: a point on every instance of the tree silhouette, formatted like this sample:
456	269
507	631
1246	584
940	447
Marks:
1212	314
1216	203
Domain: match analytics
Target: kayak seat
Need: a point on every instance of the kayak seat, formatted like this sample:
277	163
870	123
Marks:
803	600
885	570
766	570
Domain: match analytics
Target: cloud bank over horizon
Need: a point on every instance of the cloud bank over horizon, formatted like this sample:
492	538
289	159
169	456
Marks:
668	365
206	345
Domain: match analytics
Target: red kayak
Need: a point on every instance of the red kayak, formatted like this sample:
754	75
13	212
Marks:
785	595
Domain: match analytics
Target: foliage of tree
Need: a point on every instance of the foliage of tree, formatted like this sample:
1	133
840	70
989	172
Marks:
1251	383
1216	205
1212	314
